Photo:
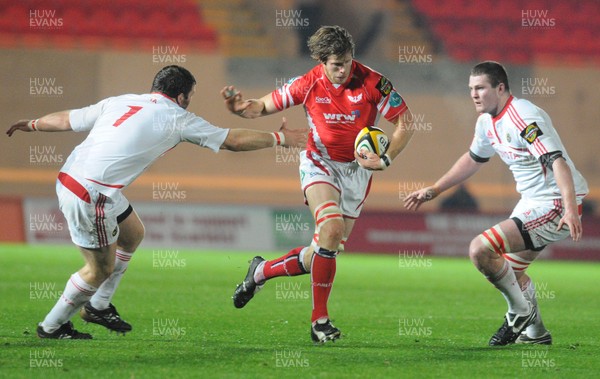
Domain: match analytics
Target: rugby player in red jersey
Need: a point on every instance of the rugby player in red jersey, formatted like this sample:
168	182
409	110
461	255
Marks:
340	96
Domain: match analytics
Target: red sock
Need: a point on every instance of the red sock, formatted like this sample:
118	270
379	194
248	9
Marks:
322	274
288	265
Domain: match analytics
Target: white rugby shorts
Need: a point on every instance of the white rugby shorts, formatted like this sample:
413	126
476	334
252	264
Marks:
537	222
348	178
91	216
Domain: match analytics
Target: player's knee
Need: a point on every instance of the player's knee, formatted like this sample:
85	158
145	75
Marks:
477	249
332	231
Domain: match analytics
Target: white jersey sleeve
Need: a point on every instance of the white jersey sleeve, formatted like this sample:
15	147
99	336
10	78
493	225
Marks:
481	146
201	132
83	119
536	129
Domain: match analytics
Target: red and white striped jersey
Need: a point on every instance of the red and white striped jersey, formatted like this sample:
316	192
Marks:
128	133
337	113
521	134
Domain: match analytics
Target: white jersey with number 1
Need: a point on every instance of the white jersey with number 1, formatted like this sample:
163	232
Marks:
521	134
128	133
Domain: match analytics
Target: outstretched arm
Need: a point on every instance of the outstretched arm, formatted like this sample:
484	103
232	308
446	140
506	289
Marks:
248	139
251	108
463	169
54	122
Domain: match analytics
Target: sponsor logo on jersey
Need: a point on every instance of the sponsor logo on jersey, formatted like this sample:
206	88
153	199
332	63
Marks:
395	99
340	117
355	99
531	132
489	134
384	86
508	137
322	100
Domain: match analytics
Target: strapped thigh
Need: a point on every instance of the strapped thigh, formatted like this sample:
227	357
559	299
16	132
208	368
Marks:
495	240
325	212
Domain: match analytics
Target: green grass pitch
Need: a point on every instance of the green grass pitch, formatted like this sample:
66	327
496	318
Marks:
427	318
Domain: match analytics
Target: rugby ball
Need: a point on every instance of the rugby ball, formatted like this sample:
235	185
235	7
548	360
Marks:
371	139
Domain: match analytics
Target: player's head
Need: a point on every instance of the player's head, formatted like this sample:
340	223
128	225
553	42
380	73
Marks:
334	48
488	85
175	82
494	71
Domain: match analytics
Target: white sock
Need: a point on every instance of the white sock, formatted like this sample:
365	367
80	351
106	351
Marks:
506	281
301	258
77	292
107	289
537	329
259	275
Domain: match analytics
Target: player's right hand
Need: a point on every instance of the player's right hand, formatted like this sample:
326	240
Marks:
233	100
22	125
572	220
414	200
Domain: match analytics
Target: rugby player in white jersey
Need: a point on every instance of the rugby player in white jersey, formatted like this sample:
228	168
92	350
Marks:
126	135
551	191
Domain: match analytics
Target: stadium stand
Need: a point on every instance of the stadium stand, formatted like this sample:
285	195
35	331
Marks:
239	30
521	31
127	24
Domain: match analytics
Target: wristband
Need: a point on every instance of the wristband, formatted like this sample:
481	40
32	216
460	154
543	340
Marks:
31	125
385	161
278	138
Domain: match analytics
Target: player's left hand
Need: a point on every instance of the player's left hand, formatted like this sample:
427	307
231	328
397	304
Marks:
22	125
413	200
293	137
371	161
574	224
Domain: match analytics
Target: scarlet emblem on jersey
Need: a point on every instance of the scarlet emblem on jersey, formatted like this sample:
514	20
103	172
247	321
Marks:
384	86
355	99
531	132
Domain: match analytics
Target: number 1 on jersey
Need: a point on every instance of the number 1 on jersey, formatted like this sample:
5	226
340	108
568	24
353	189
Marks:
132	110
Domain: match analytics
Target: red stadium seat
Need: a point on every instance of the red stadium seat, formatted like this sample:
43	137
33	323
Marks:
467	29
93	23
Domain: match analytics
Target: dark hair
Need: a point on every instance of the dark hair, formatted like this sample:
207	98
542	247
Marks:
173	80
495	72
330	40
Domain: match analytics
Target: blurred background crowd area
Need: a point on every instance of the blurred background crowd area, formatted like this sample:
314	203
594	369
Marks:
62	54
